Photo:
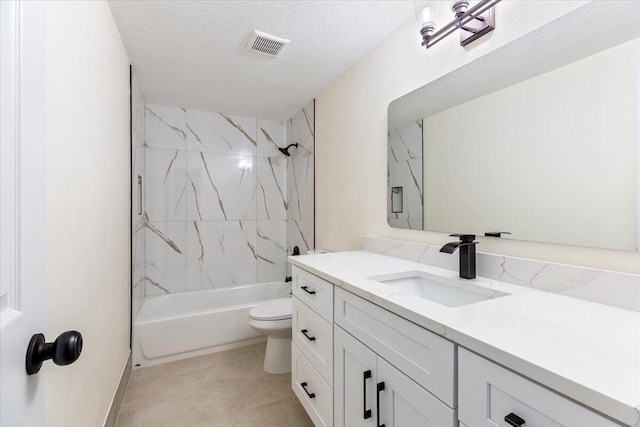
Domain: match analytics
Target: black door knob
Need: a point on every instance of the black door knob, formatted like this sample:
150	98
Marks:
64	350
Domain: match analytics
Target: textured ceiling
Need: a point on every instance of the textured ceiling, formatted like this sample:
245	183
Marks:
192	53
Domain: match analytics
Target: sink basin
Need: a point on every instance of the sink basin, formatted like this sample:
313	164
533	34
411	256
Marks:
441	290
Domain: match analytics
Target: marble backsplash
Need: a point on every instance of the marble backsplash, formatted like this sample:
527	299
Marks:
223	206
606	287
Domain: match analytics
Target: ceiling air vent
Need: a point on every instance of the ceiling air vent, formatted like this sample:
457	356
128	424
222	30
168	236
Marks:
266	44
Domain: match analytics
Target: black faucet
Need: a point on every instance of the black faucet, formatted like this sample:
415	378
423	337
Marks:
467	254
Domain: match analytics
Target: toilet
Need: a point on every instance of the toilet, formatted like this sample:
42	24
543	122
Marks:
273	319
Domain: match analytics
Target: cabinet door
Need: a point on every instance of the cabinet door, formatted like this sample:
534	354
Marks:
403	403
423	356
490	393
354	382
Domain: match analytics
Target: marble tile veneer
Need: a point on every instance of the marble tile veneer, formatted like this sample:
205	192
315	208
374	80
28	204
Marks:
165	257
223	207
221	254
220	133
165	127
165	184
606	287
220	187
272	199
404	162
137	197
300	180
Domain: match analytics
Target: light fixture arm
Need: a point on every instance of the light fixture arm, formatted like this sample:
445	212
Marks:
461	21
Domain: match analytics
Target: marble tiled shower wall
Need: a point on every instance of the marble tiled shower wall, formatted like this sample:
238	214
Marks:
217	204
300	180
404	161
137	217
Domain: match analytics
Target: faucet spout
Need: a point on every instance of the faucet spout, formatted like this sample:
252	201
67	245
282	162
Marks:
450	247
467	254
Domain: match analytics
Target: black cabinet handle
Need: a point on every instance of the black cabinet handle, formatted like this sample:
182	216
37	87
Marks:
514	420
64	350
304	387
304	332
379	388
365	376
306	289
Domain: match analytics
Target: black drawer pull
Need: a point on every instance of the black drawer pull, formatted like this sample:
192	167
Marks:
365	376
304	332
379	388
514	420
306	289
304	387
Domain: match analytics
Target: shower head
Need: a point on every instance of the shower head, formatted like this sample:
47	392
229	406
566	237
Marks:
285	151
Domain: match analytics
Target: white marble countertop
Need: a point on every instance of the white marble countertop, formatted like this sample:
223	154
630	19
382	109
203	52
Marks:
586	351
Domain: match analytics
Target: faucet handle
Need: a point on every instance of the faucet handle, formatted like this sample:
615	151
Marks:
495	233
465	238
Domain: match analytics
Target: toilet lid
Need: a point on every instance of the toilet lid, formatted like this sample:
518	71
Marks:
275	309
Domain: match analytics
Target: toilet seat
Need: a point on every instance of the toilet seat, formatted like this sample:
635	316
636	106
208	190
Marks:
275	309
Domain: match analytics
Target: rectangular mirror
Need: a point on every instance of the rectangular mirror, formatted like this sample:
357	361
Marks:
539	138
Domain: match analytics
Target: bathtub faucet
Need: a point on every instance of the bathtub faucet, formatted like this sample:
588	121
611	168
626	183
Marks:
287	279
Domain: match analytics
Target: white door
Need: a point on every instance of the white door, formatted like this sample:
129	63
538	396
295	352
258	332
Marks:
355	382
22	203
403	403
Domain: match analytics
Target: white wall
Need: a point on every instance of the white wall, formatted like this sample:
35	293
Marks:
87	203
351	125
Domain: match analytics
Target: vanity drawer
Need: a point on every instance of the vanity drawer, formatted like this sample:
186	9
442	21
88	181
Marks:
422	355
314	292
313	392
314	338
487	393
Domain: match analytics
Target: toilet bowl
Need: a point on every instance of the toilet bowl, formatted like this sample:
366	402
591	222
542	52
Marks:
273	319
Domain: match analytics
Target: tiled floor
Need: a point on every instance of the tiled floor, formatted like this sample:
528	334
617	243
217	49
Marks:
221	389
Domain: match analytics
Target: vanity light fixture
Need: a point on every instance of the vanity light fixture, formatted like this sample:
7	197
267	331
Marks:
473	22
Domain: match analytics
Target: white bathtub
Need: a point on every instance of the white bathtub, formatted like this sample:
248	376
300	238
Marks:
188	324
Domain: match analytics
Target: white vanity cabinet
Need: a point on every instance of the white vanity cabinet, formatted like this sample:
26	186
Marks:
489	394
388	370
356	364
315	292
371	392
312	345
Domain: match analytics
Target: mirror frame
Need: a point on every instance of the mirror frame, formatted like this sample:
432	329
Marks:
545	49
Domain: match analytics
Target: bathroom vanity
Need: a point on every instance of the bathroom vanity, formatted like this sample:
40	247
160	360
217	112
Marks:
382	341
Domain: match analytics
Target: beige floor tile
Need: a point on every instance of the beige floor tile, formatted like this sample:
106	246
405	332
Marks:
221	389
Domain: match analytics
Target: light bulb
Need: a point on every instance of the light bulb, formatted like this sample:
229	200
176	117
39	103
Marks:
426	24
459	7
425	18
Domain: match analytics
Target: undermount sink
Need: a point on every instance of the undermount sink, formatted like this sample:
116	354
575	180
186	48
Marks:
441	290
